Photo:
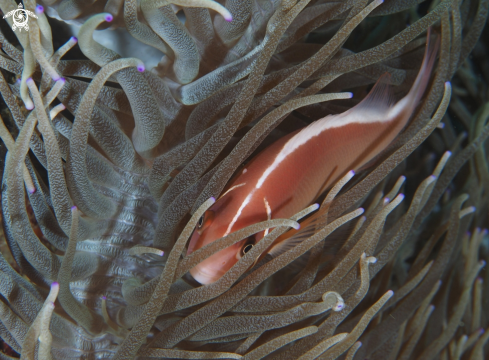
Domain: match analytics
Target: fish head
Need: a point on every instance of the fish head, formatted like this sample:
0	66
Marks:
213	225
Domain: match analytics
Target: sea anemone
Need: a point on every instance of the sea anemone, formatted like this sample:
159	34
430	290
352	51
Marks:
110	164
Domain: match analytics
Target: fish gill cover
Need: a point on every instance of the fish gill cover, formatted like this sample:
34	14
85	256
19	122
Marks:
108	165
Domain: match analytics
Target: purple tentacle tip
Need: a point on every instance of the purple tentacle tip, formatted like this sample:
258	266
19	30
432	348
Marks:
74	39
362	210
481	331
39	9
228	18
32	191
74	208
109	18
104	297
63	80
18	81
28	80
213	199
29	106
351	94
55	283
401	196
141	68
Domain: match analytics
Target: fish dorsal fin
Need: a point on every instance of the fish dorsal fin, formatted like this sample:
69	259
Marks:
373	108
378	101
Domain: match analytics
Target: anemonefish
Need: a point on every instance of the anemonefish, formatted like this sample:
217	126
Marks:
295	170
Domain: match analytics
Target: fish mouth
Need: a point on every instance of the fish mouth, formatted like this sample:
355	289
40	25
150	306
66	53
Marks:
205	277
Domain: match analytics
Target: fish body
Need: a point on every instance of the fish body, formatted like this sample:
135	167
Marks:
292	172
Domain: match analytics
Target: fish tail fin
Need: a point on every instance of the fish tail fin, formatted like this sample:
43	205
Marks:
419	86
404	108
379	103
380	100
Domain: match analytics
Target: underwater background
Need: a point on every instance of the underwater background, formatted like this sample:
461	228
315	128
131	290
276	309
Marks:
121	119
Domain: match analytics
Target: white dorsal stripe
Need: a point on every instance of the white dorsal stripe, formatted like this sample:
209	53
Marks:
238	213
366	116
234	187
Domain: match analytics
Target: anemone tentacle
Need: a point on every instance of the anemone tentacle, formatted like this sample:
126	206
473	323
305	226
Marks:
109	164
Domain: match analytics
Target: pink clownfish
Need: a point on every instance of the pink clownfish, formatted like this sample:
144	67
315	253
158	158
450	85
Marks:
295	170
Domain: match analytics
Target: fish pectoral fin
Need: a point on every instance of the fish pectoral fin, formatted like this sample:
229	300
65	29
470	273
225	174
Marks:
289	243
295	238
309	227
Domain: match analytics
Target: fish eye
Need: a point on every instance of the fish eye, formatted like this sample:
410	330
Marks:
247	247
201	221
205	220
